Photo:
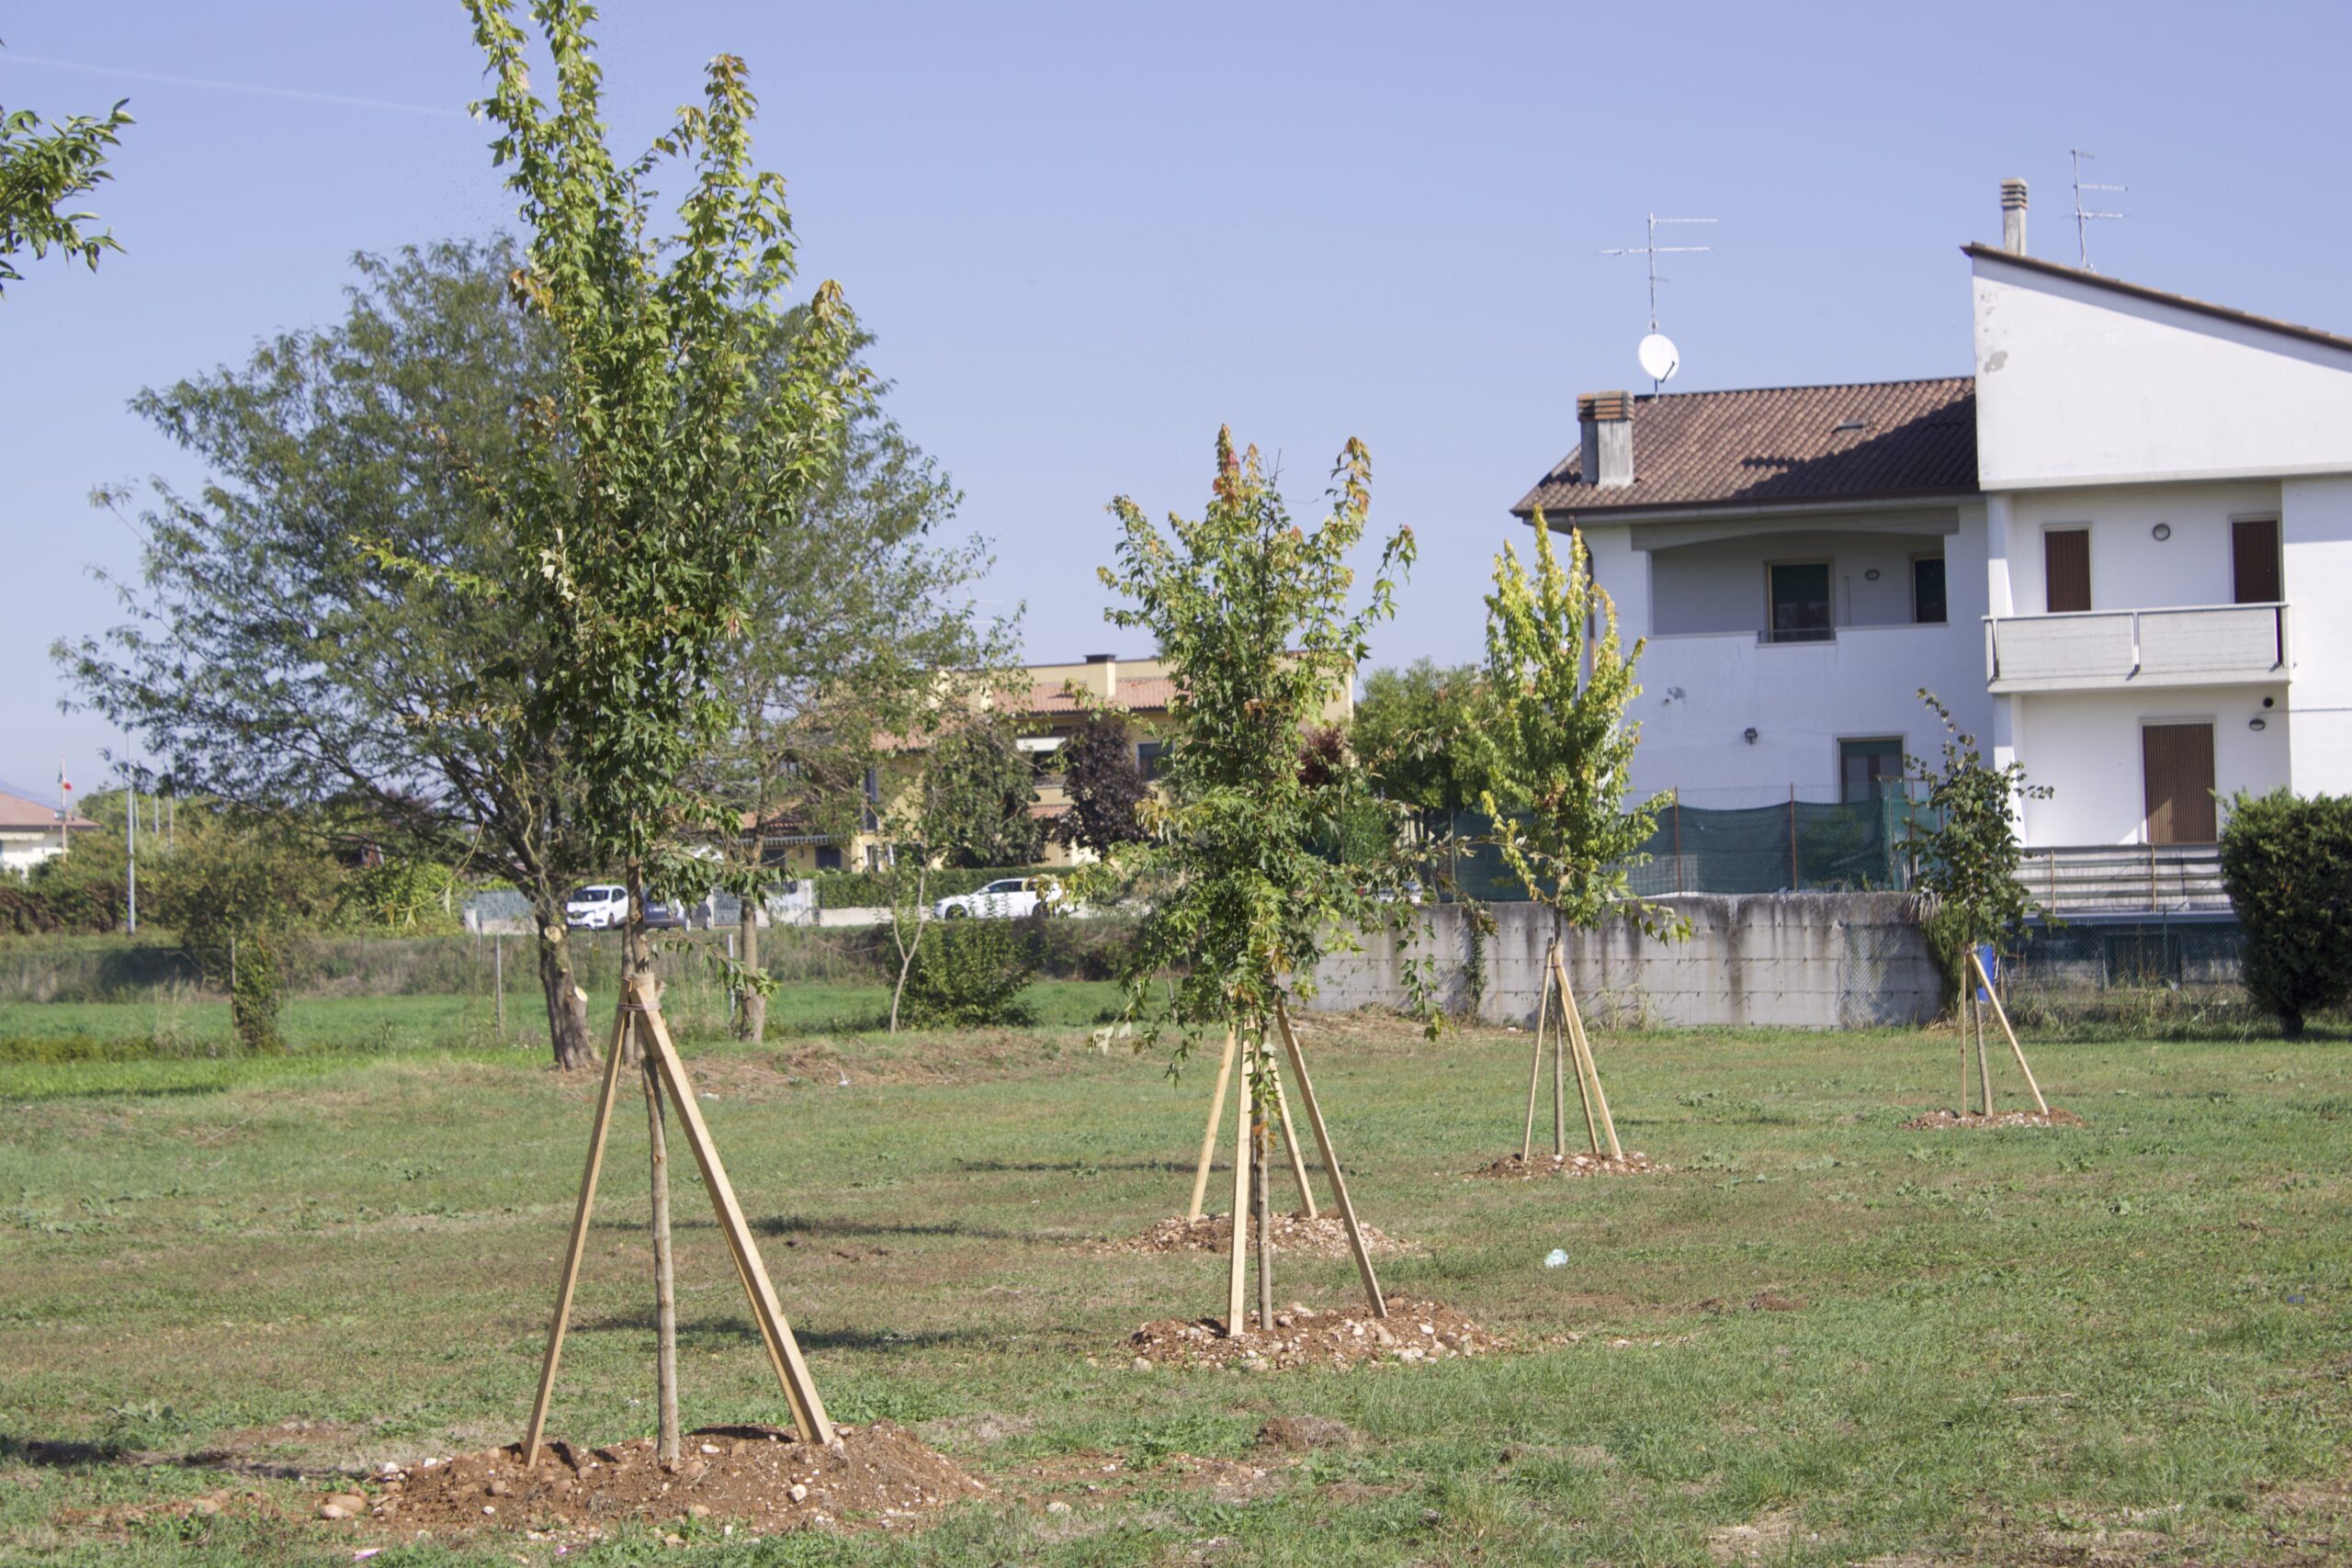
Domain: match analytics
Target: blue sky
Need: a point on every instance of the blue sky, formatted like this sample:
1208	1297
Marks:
1088	234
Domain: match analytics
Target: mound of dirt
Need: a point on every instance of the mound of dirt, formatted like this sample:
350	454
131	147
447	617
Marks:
1947	1120
1510	1168
1413	1331
756	1478
1323	1236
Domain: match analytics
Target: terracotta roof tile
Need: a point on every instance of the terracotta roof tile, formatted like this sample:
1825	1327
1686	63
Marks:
1782	445
17	815
1145	694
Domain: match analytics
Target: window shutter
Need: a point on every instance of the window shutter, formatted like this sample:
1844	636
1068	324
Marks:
2067	569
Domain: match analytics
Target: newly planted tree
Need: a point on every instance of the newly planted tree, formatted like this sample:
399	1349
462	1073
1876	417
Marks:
1253	616
665	430
1557	753
1965	855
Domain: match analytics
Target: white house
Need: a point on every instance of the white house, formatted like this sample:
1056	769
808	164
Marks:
31	832
2116	552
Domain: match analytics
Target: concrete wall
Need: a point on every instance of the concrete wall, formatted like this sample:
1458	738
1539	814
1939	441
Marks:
2086	746
1800	960
2316	521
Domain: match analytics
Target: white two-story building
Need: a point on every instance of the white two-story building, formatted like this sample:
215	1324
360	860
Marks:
2120	552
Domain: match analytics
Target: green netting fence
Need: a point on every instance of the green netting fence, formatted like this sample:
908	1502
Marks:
1788	846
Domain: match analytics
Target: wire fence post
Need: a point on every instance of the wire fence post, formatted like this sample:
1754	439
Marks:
1792	837
1677	838
498	982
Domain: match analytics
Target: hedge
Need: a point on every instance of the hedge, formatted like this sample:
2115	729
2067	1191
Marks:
871	889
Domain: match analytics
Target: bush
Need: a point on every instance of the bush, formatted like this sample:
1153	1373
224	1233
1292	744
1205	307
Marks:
872	889
2288	863
971	973
56	904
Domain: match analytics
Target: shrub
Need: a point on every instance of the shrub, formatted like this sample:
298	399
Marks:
971	972
874	889
2288	863
57	904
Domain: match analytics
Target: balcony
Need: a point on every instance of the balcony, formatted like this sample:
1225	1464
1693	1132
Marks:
2209	645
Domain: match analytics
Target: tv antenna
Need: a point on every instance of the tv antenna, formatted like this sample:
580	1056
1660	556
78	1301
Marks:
2084	215
1656	352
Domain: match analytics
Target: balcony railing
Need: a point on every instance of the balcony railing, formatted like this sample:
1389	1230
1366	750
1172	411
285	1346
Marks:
2107	879
2206	645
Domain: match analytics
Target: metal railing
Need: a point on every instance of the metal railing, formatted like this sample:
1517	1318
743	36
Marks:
2090	879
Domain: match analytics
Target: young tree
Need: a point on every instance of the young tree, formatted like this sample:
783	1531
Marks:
1415	729
637	483
338	613
39	171
1105	787
1966	854
1556	751
1252	614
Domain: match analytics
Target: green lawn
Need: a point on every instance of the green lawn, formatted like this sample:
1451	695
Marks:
2127	1343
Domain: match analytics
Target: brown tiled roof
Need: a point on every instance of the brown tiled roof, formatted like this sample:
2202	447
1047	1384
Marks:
1145	694
18	814
1782	445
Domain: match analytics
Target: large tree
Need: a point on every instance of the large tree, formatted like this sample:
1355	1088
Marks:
1416	729
41	170
336	612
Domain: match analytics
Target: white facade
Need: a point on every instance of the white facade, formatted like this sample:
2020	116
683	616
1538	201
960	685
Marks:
2159	430
1697	591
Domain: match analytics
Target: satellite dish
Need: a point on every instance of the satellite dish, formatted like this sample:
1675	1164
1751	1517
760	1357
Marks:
1659	357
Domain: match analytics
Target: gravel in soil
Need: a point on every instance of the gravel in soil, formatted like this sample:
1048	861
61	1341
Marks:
1413	1331
762	1478
1324	1237
1510	1168
1948	1119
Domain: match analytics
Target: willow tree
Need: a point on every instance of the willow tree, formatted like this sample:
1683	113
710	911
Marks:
1557	756
639	483
1252	614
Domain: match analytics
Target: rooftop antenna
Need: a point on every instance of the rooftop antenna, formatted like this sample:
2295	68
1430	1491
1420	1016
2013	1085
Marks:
1656	352
2084	215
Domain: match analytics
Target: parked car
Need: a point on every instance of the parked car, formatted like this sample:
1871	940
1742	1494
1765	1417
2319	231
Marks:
599	907
1006	898
660	917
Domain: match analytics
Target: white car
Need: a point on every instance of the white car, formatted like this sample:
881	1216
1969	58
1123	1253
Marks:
599	907
1006	898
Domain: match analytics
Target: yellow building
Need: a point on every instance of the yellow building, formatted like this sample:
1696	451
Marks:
1048	712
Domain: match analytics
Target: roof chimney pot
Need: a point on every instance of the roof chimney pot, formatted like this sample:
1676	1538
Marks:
2013	217
1605	420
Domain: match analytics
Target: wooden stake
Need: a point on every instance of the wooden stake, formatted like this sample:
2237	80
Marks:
1330	1163
1983	1068
1290	1142
1584	1053
1559	1061
665	1277
799	1389
579	1238
1535	1071
1967	1001
1584	1094
1259	1138
1208	1138
1238	1279
2002	1013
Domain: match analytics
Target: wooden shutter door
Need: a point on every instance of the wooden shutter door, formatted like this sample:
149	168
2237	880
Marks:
2177	761
2253	560
2067	569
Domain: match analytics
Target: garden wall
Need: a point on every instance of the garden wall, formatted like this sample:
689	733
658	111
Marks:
1791	960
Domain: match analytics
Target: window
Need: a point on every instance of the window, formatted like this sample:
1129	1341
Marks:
1147	755
2253	560
829	857
1927	590
875	859
1800	602
2066	570
1869	770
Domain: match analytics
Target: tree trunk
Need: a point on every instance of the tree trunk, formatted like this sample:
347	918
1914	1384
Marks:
636	963
568	1030
751	1002
1259	1140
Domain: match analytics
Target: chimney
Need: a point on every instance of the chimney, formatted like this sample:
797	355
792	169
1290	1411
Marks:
2013	217
1606	421
1102	676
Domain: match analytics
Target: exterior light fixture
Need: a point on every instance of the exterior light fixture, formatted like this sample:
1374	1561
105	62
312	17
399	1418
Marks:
2161	532
1751	735
1871	576
2257	722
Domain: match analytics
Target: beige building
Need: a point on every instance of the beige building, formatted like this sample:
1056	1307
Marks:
1051	708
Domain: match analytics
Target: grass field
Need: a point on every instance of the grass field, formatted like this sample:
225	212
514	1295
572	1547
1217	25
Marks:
2122	1344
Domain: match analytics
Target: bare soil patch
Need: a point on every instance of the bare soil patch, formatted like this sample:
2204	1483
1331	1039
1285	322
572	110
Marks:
1324	1237
1510	1168
759	1477
1413	1331
1945	1121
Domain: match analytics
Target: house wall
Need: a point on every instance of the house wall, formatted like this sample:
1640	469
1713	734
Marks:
2131	569
1720	586
1700	692
20	852
2315	525
2076	383
2086	746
